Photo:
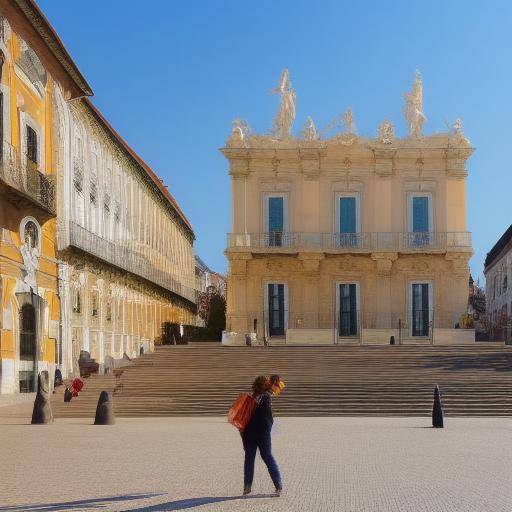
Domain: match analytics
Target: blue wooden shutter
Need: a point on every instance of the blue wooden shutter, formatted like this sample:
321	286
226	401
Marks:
420	214
347	214
275	214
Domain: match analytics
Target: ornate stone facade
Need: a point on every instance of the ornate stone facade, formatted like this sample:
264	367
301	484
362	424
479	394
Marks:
313	216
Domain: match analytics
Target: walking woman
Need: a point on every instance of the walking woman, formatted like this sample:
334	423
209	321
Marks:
257	435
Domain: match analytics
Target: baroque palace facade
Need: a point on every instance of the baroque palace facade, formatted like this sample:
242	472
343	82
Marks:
95	253
348	239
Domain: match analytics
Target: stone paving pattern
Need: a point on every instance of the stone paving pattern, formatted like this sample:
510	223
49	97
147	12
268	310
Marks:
328	464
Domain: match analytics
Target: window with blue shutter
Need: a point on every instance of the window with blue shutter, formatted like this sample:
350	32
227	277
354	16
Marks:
275	220
347	214
420	214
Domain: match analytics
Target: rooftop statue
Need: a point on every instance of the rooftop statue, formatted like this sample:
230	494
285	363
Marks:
386	133
413	108
309	132
286	115
348	121
458	135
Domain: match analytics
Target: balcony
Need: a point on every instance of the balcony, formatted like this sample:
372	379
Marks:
23	183
127	259
284	242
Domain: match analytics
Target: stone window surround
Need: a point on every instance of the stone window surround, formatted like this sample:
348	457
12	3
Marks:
431	209
336	210
265	211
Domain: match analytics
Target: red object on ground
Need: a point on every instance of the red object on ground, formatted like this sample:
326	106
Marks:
241	411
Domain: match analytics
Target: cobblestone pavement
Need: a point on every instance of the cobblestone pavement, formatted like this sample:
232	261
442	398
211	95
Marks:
328	464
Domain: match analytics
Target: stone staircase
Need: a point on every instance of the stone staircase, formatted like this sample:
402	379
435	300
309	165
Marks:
204	379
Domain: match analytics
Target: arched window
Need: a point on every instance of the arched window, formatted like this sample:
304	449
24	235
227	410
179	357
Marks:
30	232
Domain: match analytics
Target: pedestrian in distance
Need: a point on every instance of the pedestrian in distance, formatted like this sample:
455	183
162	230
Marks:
257	435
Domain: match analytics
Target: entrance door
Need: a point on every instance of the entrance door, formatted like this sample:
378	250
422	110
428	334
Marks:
27	373
420	309
276	317
348	325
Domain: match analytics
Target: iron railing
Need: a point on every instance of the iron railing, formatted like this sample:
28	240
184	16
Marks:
25	176
127	259
351	242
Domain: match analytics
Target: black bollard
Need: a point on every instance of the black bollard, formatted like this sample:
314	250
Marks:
437	410
105	410
42	412
392	340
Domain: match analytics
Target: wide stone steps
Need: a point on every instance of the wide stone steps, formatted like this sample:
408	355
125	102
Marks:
321	381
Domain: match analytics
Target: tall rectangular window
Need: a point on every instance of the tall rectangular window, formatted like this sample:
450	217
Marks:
420	214
420	313
275	220
347	222
31	147
348	314
276	309
347	214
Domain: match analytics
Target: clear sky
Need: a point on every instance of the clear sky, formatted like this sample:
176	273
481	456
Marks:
171	75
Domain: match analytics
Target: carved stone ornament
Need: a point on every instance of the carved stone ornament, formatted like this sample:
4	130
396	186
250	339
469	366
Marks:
386	133
30	257
458	138
413	108
347	163
239	133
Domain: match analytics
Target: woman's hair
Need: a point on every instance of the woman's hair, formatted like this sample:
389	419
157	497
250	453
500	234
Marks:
260	385
274	379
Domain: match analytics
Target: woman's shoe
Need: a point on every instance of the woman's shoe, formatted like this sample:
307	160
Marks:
278	491
247	490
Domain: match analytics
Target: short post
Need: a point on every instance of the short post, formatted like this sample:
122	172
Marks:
42	412
105	410
437	410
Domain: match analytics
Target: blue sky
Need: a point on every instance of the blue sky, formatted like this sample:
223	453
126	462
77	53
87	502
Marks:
170	76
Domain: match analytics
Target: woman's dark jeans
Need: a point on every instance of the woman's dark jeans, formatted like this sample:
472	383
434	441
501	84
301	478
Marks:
264	444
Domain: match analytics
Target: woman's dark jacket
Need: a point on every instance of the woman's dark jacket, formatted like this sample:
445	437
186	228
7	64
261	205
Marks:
262	420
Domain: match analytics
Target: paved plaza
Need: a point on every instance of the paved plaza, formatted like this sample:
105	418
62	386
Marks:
328	464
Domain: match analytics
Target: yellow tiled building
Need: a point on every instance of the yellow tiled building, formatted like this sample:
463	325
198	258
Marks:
30	73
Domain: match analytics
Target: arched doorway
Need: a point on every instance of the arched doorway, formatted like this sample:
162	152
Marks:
28	348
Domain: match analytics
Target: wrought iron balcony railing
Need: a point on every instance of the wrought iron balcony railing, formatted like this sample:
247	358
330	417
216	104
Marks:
127	259
24	178
279	241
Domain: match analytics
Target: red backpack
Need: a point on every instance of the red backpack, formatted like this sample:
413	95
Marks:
241	411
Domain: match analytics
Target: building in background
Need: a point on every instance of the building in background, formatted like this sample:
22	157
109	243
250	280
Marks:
126	246
498	292
348	239
34	67
206	277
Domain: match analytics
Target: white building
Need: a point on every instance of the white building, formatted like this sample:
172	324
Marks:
498	276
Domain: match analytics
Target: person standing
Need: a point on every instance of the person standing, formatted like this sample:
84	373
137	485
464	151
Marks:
257	435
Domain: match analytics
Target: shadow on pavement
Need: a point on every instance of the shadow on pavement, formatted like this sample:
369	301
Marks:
194	502
92	503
